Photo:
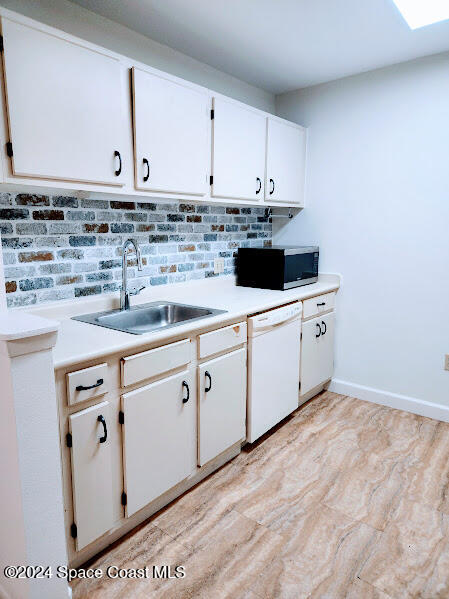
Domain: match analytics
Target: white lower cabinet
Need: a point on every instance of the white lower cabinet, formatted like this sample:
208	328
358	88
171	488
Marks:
159	441
222	404
317	352
161	432
91	458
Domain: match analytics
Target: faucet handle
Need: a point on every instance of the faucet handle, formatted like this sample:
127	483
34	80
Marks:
136	290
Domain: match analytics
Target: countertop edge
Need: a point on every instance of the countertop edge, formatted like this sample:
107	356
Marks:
15	326
136	342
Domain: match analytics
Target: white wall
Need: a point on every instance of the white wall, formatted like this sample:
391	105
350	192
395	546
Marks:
378	206
87	25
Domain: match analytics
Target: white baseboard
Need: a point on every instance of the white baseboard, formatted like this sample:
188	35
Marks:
392	400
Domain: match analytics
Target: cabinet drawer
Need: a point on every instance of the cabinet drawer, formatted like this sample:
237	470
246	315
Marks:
317	305
87	384
155	361
221	340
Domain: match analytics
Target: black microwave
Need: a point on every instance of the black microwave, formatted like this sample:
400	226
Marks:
277	267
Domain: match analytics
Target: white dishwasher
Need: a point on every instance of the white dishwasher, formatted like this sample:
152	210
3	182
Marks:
274	339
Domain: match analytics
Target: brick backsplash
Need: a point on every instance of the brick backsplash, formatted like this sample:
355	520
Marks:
60	247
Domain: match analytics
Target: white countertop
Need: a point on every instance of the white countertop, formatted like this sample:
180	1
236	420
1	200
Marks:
78	341
19	325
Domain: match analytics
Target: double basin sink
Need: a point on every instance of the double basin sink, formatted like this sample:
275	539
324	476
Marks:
150	317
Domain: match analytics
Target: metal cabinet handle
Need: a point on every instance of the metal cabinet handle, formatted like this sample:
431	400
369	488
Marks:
207	374
186	386
119	170
325	327
321	304
103	422
97	384
272	187
147	164
319	330
260	185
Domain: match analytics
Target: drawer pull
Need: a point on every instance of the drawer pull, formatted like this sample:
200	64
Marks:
322	304
97	384
186	386
325	327
207	374
319	330
103	422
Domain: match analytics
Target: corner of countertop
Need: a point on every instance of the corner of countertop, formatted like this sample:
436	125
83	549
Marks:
22	325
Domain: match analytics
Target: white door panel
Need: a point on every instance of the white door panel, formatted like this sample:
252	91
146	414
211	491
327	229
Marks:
221	408
65	107
158	438
317	351
286	159
238	155
91	473
273	383
171	123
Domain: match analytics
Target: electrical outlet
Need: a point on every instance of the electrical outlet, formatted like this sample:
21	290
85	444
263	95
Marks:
218	266
446	362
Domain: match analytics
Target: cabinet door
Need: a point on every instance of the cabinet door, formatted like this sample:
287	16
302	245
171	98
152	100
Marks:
158	438
65	107
222	404
91	454
238	156
171	123
317	351
286	158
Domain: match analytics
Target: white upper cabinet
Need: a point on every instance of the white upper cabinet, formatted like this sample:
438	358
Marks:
286	159
71	117
65	108
171	124
238	151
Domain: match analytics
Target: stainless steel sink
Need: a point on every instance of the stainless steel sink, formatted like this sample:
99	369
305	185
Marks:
148	317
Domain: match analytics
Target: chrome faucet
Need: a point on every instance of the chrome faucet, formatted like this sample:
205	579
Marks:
124	293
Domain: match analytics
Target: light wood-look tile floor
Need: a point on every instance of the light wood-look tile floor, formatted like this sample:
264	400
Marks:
344	499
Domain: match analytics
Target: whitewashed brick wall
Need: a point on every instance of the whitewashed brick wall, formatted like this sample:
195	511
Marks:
60	247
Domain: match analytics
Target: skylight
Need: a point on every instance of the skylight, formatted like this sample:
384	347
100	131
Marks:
419	13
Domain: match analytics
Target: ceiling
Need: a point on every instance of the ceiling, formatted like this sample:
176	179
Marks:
280	45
